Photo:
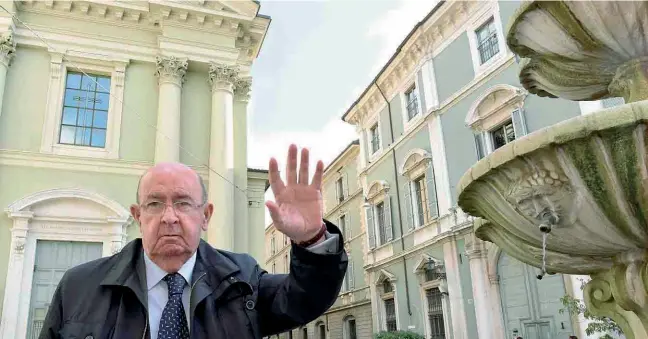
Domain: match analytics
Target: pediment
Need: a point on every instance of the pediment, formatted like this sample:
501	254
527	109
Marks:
493	100
385	275
376	188
415	158
425	260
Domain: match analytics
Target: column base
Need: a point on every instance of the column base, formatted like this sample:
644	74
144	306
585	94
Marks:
620	294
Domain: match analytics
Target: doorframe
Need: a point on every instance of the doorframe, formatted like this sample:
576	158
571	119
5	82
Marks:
29	227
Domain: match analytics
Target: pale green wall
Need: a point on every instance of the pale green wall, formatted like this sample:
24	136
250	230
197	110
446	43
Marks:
139	115
195	127
465	280
19	182
453	67
25	98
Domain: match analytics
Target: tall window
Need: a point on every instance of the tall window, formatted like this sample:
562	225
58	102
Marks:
286	263
343	226
305	333
503	134
375	138
380	215
435	313
487	43
390	315
420	194
339	188
273	248
322	331
85	110
412	102
350	331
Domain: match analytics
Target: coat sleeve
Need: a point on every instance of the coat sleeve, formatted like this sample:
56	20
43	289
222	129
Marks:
287	301
52	322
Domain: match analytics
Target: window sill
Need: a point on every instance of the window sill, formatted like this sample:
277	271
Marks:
489	65
83	151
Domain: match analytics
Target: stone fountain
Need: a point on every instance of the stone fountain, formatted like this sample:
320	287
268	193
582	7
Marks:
572	198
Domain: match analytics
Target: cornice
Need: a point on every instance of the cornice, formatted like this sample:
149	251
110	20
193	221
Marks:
211	17
429	39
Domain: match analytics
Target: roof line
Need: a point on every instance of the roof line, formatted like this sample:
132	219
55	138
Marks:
354	142
398	50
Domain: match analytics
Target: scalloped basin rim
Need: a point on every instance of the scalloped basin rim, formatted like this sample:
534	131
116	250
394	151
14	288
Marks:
560	133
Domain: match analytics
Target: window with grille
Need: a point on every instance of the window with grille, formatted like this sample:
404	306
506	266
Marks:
435	313
434	271
375	139
411	100
420	194
390	315
85	110
380	215
487	43
503	135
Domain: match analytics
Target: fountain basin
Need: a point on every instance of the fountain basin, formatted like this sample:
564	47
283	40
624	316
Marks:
582	50
585	177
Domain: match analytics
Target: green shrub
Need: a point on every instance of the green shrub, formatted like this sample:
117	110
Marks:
399	335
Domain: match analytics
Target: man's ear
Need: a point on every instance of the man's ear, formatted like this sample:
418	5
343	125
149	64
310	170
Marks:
207	214
135	212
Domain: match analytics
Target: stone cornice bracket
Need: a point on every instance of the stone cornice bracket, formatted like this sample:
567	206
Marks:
7	48
223	77
242	89
171	69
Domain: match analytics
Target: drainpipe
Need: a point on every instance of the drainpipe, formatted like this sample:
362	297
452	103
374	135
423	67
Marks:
398	203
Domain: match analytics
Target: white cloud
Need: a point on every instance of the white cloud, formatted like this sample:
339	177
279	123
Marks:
392	27
324	145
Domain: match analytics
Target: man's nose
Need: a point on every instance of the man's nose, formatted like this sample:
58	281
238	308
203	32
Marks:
169	215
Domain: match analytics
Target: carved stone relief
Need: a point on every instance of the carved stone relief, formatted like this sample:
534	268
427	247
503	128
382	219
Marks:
171	69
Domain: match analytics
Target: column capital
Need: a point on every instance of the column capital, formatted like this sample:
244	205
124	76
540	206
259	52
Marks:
242	89
171	69
223	77
7	48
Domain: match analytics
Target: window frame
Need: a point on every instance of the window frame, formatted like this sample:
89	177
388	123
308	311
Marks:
115	69
489	11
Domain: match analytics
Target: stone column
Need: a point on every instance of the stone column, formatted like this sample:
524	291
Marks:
12	310
455	294
7	52
243	229
221	156
477	253
496	306
170	72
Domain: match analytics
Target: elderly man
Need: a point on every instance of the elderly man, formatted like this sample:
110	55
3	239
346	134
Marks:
170	284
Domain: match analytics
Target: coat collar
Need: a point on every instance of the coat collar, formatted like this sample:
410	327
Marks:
211	272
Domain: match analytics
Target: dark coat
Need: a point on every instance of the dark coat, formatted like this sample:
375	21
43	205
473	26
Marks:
231	296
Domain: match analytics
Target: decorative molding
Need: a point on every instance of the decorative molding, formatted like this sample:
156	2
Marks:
171	69
377	189
416	158
7	48
223	77
492	101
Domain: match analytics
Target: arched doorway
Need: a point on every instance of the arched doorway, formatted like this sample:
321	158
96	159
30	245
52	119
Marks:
531	307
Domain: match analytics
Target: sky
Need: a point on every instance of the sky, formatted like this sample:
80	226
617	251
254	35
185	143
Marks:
317	58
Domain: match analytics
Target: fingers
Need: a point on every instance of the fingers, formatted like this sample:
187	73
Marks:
303	167
291	165
276	183
317	177
274	212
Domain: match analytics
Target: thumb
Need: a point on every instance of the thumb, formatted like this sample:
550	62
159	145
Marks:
273	208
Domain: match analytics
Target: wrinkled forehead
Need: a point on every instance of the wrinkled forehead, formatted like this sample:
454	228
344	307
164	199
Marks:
167	183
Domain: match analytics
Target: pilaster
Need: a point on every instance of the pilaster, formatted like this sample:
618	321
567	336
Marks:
457	307
477	255
7	52
170	72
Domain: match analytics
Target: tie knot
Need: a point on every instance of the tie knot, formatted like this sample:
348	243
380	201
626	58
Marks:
175	282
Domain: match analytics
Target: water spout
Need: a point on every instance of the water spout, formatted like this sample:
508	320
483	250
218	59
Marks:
544	254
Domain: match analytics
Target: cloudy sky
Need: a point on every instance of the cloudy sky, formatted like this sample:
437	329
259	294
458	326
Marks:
317	58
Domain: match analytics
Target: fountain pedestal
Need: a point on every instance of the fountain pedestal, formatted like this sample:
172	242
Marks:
582	183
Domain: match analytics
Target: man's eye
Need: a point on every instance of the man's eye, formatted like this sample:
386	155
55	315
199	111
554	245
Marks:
154	204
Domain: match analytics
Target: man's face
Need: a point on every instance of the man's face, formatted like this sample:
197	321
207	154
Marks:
171	214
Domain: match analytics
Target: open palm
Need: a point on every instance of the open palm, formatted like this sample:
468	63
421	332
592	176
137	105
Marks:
297	209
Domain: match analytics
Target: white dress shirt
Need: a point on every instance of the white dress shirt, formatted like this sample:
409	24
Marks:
158	291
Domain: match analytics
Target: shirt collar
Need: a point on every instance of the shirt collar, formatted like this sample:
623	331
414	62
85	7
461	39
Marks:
154	274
